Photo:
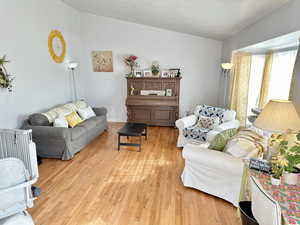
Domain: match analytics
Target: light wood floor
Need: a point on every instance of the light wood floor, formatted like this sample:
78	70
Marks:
102	186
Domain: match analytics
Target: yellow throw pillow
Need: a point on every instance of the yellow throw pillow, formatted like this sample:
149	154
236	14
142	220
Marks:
73	119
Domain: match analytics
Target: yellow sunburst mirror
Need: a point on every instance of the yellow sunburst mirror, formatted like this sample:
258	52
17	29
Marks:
57	46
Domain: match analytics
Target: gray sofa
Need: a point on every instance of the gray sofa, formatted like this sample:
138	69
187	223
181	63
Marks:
64	143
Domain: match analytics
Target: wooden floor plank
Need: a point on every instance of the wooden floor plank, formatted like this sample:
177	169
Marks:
102	186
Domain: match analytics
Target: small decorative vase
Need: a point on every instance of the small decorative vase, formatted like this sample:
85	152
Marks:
291	178
275	181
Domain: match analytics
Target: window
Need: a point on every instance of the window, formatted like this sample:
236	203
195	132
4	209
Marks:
281	74
256	74
280	81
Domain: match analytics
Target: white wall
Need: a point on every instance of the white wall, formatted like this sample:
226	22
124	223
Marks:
283	21
40	83
199	58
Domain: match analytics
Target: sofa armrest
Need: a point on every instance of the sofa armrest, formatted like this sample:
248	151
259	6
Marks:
50	132
228	125
101	111
214	159
186	122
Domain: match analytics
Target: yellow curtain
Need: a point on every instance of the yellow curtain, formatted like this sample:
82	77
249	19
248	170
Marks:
264	90
295	71
239	85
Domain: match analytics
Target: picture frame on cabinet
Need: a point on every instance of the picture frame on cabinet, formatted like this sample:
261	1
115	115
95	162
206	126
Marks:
165	73
174	72
147	73
169	92
138	73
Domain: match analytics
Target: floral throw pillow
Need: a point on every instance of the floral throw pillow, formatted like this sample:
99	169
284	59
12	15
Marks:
208	122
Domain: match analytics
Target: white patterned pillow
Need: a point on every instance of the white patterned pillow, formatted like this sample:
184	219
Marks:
246	144
80	104
61	122
208	122
71	106
86	113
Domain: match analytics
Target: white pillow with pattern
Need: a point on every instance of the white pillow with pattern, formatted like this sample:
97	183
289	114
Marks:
86	113
208	122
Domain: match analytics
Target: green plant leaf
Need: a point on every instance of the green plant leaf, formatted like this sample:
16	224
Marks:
298	136
3	60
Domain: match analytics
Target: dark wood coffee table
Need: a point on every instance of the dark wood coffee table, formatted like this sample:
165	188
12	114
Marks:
132	130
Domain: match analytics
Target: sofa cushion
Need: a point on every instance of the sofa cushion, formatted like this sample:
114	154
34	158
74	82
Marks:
80	104
51	115
38	119
229	115
92	122
77	132
61	122
246	143
221	139
73	119
86	113
62	111
208	122
210	111
71	106
196	133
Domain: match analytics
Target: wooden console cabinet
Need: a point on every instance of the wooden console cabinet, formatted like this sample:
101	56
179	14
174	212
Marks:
150	109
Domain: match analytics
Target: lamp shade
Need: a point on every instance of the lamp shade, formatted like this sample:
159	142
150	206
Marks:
278	116
72	65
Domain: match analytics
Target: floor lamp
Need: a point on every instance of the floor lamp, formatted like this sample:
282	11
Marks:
72	66
226	68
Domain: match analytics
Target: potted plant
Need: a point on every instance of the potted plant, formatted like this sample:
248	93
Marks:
132	63
155	68
5	78
289	158
277	171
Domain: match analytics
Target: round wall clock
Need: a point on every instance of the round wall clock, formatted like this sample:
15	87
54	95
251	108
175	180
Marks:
57	46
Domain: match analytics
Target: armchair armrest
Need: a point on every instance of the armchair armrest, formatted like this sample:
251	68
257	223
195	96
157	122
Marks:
101	111
186	122
218	161
228	125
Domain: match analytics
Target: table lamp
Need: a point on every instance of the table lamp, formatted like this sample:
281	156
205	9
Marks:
278	116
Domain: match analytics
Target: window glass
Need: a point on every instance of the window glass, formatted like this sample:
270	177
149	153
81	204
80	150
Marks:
256	74
281	74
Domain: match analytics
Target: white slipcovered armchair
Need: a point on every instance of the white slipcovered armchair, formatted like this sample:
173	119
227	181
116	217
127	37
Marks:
212	172
190	132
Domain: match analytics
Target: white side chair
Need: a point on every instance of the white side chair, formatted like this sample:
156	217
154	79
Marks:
264	208
18	172
15	193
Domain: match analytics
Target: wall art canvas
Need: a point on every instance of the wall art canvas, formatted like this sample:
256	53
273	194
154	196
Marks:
102	61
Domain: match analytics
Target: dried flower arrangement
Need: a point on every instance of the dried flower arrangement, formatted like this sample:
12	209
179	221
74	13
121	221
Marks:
132	63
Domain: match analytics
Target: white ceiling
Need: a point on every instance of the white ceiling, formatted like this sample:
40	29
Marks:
217	19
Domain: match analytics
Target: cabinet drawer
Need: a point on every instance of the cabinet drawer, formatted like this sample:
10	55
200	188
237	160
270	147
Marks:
140	114
162	114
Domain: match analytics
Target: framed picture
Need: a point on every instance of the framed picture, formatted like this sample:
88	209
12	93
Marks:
138	73
165	73
102	61
174	72
147	73
169	92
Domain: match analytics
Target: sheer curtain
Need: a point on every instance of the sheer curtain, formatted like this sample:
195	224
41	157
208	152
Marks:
255	82
265	86
281	74
239	85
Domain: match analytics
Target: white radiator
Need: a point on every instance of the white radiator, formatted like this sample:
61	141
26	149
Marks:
19	144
